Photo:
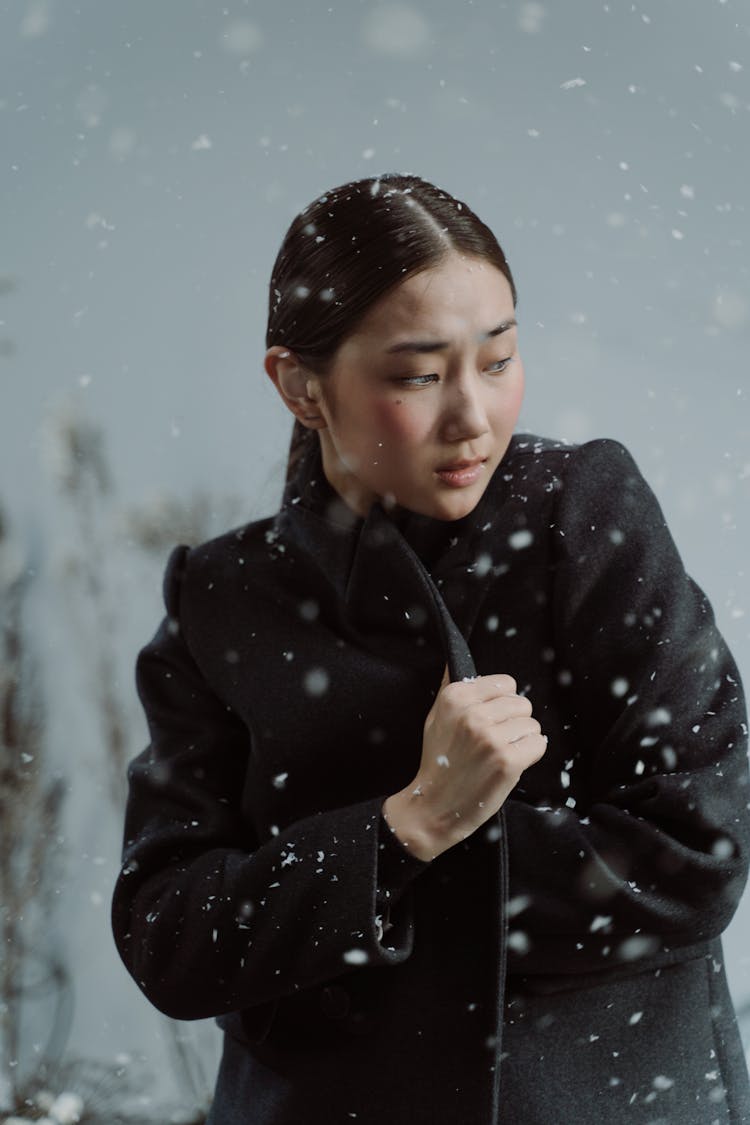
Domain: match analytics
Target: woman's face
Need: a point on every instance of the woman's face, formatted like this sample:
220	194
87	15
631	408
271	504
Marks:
422	398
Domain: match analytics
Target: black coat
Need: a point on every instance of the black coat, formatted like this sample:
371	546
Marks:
574	939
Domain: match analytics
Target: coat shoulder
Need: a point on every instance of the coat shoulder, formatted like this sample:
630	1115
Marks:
534	449
211	564
593	466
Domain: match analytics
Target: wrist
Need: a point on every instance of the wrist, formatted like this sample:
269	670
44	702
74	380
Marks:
408	817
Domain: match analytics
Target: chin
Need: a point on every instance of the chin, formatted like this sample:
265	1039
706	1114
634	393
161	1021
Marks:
454	508
458	514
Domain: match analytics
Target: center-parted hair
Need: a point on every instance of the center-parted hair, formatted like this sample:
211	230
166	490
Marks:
347	248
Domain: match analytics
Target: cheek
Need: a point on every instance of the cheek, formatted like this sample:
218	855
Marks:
397	422
514	400
518	394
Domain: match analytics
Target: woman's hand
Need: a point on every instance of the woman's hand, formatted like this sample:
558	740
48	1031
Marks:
479	737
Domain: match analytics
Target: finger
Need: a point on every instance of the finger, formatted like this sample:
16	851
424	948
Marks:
513	730
532	747
484	688
502	707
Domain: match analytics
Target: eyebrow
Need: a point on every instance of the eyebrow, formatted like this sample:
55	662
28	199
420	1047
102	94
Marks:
425	346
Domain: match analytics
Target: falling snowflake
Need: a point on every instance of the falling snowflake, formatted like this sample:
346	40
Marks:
308	610
396	29
520	539
661	1082
722	848
531	17
316	681
36	21
241	38
519	942
730	309
356	957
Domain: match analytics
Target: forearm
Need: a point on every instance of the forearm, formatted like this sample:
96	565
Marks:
590	891
224	928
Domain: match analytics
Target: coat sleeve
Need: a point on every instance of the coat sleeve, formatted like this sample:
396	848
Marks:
207	918
648	847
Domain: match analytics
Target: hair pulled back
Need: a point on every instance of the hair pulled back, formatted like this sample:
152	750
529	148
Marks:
351	245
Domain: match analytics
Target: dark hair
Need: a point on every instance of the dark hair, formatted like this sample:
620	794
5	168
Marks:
347	248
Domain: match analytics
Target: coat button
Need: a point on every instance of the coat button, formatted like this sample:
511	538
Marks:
335	1002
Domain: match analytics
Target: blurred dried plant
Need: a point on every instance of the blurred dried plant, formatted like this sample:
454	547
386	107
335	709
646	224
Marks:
163	522
96	1092
76	454
74	449
30	805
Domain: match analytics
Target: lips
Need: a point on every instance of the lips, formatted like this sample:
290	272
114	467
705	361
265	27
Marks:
456	466
461	473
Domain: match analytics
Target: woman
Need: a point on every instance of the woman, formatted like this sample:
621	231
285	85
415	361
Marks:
406	896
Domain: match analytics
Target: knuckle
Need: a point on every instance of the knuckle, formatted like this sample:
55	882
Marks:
537	747
450	693
469	724
503	760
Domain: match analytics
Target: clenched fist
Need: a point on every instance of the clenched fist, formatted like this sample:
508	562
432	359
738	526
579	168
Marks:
479	737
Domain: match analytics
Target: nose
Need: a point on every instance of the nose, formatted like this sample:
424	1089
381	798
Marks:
464	415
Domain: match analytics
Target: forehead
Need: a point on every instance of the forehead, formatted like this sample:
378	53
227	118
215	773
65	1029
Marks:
458	295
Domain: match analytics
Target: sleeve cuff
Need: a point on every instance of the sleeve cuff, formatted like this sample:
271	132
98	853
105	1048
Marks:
396	869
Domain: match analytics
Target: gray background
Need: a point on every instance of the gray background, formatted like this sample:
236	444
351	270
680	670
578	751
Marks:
153	154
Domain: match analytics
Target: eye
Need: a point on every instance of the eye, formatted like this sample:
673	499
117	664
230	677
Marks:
416	380
500	365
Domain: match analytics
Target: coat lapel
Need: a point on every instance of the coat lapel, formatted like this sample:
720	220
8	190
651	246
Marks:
390	589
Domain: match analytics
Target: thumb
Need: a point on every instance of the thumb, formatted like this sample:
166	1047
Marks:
446	678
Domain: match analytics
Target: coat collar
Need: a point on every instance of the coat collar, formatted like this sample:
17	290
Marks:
442	546
387	566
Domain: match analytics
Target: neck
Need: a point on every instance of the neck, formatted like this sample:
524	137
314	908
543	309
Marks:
356	497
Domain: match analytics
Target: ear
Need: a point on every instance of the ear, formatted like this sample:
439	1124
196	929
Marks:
298	387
